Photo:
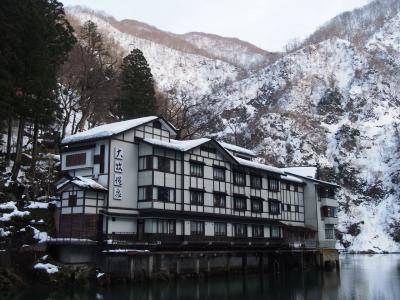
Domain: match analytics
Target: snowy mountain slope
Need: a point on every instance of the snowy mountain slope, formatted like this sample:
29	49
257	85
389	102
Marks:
172	69
239	53
233	50
332	102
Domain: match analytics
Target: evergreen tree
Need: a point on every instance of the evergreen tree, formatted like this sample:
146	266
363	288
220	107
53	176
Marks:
35	38
137	95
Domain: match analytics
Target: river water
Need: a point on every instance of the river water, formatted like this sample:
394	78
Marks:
361	277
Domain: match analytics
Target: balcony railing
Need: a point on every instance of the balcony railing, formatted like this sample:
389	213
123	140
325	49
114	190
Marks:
156	238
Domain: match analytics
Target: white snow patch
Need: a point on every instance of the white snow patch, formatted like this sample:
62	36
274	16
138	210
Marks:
238	149
49	268
42	205
302	171
15	213
183	145
256	165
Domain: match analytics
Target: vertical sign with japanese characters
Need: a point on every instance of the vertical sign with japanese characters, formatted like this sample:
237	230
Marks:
118	169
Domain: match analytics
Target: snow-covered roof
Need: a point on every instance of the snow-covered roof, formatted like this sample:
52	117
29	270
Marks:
183	145
107	130
307	173
256	165
302	171
237	149
186	145
291	178
84	183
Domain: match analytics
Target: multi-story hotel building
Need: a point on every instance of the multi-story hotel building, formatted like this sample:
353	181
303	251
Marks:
132	181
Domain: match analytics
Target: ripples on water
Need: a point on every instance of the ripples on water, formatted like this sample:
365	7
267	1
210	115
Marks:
361	277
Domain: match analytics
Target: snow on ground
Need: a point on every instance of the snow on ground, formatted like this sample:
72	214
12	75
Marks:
49	268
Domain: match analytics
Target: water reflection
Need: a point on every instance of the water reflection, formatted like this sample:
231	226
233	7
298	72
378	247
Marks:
361	277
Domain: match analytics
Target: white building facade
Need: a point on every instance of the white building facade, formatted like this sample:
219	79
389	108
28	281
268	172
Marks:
132	181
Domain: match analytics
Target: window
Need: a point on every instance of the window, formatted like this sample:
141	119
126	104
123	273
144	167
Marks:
288	207
99	158
220	229
256	181
197	228
258	231
296	188
157	124
146	193
329	232
275	232
239	178
273	184
219	200
240	230
326	192
196	197
274	207
256	205
165	164
146	163
296	208
166	226
329	212
77	159
72	200
288	186
165	194
239	203
196	169
219	173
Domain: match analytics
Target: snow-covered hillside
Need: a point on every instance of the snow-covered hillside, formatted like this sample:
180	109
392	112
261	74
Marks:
332	102
172	69
235	51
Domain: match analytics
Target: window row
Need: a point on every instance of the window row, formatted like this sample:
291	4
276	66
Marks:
290	207
165	164
165	194
239	230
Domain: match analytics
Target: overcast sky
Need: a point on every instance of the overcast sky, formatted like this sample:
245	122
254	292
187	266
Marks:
269	24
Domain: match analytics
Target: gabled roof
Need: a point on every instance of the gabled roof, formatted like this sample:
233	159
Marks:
259	166
109	130
184	145
82	182
237	149
316	181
